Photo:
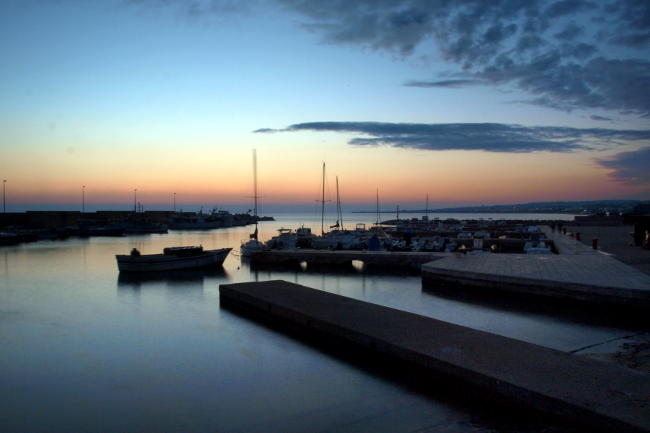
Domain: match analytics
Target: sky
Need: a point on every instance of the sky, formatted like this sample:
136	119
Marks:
470	102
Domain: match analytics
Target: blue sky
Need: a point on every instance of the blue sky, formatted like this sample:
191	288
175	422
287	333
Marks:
165	95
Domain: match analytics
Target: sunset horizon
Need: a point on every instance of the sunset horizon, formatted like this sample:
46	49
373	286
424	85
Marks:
180	96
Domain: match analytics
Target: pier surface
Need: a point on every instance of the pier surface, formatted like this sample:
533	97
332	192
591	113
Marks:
578	272
604	396
339	257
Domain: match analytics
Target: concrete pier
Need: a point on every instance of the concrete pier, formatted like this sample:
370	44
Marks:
342	257
594	278
578	272
603	396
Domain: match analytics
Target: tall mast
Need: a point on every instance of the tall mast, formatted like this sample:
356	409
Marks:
255	234
322	203
255	183
427	207
378	217
338	205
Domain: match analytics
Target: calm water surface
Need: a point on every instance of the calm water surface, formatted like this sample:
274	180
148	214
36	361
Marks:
87	350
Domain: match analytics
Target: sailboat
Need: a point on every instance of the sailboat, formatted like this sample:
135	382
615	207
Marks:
338	238
253	245
322	241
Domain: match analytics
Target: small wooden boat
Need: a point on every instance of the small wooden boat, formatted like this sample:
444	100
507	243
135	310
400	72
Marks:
171	259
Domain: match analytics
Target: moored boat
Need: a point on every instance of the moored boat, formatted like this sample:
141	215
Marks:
251	247
198	221
171	259
9	238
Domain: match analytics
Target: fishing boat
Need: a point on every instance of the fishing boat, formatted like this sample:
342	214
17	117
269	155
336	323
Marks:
172	258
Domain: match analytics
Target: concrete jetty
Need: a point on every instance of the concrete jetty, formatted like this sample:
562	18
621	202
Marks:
578	272
342	257
603	396
594	278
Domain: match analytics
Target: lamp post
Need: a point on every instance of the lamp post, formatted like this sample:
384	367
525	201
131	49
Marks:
174	202
4	195
83	198
135	200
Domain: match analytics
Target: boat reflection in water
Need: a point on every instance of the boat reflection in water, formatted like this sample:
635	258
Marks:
185	280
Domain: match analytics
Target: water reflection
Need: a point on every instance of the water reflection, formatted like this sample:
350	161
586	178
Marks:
155	352
178	278
520	303
355	267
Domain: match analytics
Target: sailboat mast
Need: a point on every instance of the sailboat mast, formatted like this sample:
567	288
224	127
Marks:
427	208
255	235
338	205
255	183
322	204
378	217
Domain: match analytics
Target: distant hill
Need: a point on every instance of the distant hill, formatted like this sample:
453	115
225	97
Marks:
570	207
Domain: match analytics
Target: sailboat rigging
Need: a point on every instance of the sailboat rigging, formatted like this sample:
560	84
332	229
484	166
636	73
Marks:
426	209
322	201
254	235
339	212
253	245
378	214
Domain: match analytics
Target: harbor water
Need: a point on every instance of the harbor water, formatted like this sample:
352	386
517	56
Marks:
86	349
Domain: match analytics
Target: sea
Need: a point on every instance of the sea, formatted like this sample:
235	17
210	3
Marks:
85	349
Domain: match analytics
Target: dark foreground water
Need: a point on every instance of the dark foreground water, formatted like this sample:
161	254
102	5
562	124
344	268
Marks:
83	349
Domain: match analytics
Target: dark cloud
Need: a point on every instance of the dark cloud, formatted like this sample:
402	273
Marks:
629	167
199	8
622	85
601	118
566	7
489	137
443	83
632	39
634	13
579	51
529	42
563	53
570	32
567	54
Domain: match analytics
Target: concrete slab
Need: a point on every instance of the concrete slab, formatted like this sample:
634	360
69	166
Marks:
603	396
595	278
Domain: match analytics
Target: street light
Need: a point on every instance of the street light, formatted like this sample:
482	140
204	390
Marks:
4	195
83	198
174	202
135	200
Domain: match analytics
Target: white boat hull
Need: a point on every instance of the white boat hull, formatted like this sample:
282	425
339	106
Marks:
162	262
251	247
